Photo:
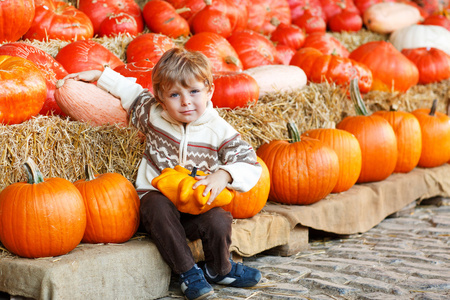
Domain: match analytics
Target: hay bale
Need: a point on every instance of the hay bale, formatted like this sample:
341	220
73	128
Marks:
61	148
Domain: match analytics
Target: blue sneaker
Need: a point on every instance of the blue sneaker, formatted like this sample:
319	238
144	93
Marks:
239	276
194	285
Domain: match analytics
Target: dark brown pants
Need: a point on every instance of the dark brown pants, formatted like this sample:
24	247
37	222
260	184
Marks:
169	229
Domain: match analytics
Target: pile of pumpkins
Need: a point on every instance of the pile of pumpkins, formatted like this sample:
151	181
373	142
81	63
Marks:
255	47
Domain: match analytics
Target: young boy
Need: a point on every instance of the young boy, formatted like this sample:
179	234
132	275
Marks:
182	128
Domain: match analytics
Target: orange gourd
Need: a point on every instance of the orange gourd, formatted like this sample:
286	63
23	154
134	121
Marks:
248	204
176	184
409	138
41	217
347	148
376	139
112	207
302	171
435	136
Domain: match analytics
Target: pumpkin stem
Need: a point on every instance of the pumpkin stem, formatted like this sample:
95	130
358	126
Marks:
59	83
89	172
194	172
294	136
34	175
355	95
433	108
232	60
329	125
182	10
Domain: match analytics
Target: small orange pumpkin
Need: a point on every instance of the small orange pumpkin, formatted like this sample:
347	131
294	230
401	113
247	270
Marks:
112	207
248	204
435	136
41	217
302	171
176	184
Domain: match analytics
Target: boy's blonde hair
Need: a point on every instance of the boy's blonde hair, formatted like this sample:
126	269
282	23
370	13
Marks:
178	65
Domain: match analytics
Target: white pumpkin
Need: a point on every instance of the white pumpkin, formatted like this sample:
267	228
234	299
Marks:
386	17
277	78
418	36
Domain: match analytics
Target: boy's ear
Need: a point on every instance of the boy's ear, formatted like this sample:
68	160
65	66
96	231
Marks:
211	91
162	104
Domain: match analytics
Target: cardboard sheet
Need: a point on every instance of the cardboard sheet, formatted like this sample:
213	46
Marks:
365	205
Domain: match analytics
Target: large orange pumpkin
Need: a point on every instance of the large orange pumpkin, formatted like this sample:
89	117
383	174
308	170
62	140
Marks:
376	139
348	151
302	171
23	89
246	205
41	217
112	207
409	138
435	136
16	19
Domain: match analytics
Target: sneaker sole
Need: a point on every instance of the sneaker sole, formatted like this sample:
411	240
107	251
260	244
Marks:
204	296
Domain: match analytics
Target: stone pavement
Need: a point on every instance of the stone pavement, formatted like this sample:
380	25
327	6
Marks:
406	256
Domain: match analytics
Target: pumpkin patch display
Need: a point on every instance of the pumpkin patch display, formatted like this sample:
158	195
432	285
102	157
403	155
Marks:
435	136
23	89
253	49
99	10
149	46
119	23
433	64
86	55
265	15
320	67
59	20
348	151
11	11
161	17
222	55
302	171
112	207
248	204
50	67
376	138
42	217
391	70
234	89
176	184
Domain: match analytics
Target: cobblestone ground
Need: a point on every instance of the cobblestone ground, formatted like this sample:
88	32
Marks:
403	257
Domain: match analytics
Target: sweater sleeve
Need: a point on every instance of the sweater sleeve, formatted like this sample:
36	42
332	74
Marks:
239	160
120	86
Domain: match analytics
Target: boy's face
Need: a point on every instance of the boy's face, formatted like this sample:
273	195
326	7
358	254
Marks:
186	104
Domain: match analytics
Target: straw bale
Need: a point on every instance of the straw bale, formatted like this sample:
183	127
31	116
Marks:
62	148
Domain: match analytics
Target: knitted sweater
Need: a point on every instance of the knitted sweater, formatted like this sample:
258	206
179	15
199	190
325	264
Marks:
209	143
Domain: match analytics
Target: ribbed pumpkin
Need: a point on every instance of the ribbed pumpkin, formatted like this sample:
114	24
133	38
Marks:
376	139
348	151
302	171
41	217
391	70
435	136
248	204
409	138
112	207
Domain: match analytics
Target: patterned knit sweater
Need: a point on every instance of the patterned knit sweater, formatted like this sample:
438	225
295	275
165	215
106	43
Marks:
209	143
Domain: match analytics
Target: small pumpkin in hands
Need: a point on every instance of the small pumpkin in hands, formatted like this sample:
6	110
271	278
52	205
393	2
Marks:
176	184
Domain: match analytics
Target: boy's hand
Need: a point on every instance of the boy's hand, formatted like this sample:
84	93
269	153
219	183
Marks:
88	76
213	183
